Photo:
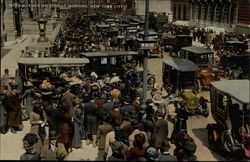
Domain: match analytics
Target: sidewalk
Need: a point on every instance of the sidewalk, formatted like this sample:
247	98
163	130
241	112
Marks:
10	59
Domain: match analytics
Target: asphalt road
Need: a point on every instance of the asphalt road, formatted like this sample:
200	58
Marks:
11	144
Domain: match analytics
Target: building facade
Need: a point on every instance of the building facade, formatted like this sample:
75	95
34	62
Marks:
162	6
226	14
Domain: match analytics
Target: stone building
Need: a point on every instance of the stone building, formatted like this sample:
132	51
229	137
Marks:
162	6
11	22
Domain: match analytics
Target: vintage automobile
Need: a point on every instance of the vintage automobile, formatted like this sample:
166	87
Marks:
174	43
230	108
179	80
235	66
110	61
204	59
122	63
235	46
41	68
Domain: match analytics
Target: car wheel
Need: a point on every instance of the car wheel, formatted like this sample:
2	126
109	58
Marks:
227	72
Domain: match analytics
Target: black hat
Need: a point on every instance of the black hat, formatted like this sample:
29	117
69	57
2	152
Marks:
29	140
134	123
149	110
53	135
117	104
190	146
127	99
125	115
165	145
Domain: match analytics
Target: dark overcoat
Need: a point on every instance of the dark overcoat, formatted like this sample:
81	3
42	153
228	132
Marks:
91	113
13	107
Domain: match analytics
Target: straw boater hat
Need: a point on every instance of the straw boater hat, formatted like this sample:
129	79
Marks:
157	98
28	84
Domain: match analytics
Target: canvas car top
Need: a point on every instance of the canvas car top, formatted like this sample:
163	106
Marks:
239	89
198	50
180	64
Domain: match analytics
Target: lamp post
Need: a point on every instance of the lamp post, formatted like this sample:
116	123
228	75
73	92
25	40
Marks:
146	45
42	27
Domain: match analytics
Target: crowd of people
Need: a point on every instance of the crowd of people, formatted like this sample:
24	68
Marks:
208	37
105	112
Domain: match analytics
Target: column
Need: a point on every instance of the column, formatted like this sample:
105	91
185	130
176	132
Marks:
9	21
3	32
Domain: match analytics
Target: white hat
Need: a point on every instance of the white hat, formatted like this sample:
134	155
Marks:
157	98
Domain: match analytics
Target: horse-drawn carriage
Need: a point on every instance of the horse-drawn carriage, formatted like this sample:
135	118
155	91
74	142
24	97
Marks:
179	80
230	107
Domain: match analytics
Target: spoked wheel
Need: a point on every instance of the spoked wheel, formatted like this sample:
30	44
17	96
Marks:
211	140
227	72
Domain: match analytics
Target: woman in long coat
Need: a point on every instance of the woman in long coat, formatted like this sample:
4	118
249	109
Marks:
77	117
66	131
13	106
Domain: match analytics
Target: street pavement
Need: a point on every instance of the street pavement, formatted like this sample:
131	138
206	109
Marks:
11	144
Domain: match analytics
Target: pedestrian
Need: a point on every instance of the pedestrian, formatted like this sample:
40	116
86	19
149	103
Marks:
119	146
137	129
160	133
38	120
3	113
5	79
29	142
65	127
77	120
137	152
12	103
52	149
110	137
180	124
29	94
102	131
165	154
149	123
91	114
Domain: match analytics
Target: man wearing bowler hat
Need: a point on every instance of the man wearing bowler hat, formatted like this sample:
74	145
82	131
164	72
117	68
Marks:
52	150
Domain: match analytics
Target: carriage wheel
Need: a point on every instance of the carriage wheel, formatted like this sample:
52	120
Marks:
227	72
211	140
